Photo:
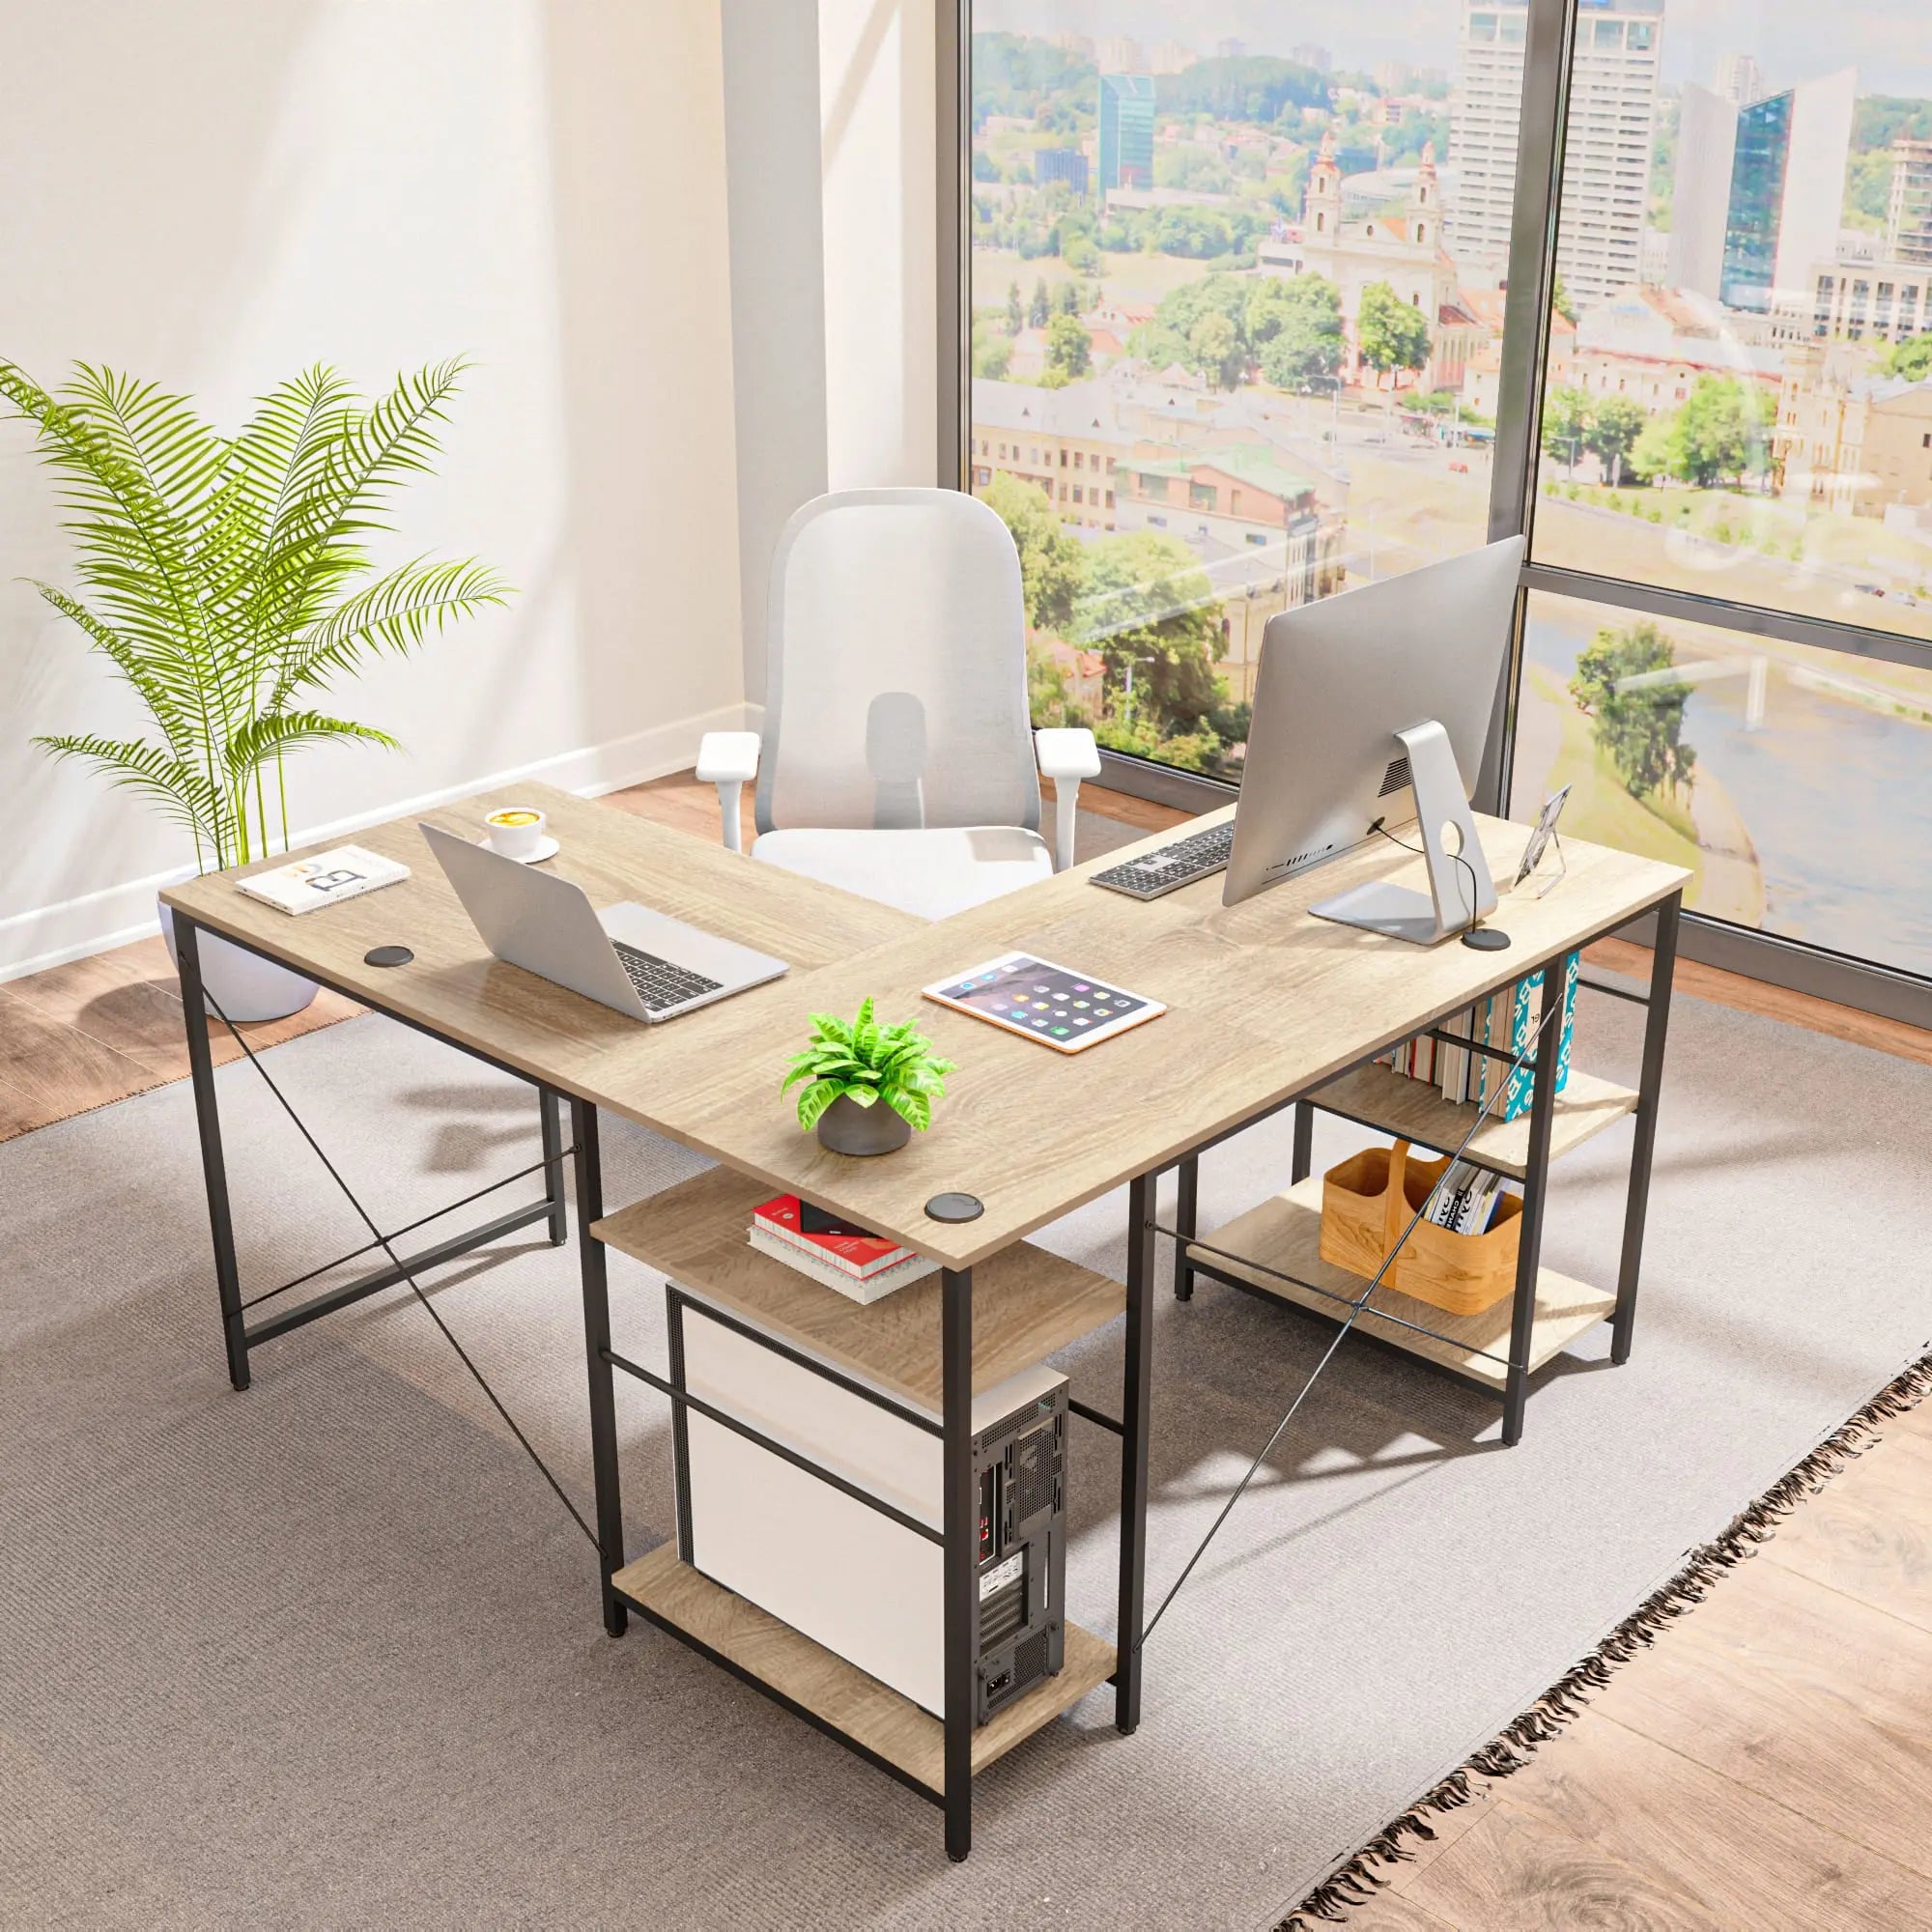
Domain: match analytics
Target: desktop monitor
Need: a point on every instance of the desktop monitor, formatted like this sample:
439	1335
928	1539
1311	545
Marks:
1339	738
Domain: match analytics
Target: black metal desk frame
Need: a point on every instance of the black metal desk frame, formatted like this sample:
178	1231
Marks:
954	1429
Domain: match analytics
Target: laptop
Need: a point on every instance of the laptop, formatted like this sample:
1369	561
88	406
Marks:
641	962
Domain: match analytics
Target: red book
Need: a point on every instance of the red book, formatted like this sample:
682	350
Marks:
858	1255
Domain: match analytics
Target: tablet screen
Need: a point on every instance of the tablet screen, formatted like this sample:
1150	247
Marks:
1036	996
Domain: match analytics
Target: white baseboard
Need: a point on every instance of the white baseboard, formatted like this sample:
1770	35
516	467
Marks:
30	942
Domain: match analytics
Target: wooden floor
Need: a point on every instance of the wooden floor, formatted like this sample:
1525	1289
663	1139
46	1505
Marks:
1767	1765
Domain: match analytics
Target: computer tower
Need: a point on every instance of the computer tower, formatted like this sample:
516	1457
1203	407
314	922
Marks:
851	1578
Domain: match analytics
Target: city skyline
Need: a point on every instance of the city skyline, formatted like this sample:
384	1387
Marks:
1788	40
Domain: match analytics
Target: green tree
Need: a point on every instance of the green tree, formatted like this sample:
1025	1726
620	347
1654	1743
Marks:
1038	309
1065	299
1294	325
1639	730
1069	352
1050	559
1559	300
1392	334
1911	358
1718	435
1611	432
1016	309
1566	423
1215	347
1654	454
991	353
1146	602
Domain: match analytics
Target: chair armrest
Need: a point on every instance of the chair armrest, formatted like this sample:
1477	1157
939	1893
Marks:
1066	754
726	760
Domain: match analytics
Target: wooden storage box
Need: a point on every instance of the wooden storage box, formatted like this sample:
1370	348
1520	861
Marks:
1368	1200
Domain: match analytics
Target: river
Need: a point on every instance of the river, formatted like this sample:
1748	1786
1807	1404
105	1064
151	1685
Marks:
1838	798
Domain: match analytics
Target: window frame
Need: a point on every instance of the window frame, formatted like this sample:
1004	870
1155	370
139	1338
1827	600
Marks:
1550	46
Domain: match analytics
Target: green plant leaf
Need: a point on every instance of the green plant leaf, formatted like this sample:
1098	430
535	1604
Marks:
814	1100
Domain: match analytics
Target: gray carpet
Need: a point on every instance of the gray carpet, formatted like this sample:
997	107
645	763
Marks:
327	1653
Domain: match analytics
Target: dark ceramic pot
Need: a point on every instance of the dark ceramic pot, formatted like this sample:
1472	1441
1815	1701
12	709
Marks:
846	1128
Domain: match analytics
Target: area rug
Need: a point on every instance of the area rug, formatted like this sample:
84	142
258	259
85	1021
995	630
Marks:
327	1652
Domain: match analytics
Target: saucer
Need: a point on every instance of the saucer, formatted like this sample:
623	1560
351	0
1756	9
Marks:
547	848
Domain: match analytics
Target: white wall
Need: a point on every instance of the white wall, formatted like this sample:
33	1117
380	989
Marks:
214	193
877	100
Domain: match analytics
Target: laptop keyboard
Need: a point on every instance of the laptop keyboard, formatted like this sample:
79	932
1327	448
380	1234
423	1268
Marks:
1168	868
658	983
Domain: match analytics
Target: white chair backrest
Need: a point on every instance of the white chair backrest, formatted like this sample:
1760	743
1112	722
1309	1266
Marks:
896	689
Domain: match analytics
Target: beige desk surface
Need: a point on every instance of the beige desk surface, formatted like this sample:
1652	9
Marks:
1265	1001
455	988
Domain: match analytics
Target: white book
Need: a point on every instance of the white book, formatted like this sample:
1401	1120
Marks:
343	872
875	1287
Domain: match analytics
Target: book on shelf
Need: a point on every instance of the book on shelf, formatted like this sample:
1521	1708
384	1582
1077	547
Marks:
1504	1022
858	1264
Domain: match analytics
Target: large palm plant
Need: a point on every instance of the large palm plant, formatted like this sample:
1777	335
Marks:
225	577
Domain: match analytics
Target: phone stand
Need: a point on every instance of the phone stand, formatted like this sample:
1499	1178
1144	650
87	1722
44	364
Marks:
1461	890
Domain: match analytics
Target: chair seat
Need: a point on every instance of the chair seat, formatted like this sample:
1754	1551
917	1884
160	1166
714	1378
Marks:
933	873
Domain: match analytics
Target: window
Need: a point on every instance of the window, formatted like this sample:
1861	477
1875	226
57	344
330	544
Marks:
1771	478
1187	209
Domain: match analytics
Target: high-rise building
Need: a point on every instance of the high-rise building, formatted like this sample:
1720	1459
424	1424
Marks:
1126	132
1172	57
1607	146
1787	189
1229	49
1760	191
1740	80
1700	195
1308	54
1118	54
1908	227
1059	164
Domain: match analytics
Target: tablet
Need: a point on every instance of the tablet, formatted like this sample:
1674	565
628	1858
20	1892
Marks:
1051	1004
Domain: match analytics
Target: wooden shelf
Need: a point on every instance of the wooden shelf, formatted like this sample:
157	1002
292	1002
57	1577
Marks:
1285	1233
1026	1303
1381	1097
838	1693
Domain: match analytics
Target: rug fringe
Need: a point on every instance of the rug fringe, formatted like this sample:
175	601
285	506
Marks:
1357	1879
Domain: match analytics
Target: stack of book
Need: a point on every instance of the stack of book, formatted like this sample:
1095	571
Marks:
862	1266
1465	1201
1505	1021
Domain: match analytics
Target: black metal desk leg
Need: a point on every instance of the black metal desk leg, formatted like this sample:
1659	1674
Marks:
596	1345
550	1122
1657	1022
1535	1183
214	1169
1134	1418
959	1561
1187	1204
1302	1157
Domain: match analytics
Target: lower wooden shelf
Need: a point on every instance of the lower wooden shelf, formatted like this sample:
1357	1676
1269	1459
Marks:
838	1693
1285	1233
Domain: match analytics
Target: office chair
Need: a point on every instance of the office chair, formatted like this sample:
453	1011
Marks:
896	759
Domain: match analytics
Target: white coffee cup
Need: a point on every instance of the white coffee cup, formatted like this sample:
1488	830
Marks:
516	831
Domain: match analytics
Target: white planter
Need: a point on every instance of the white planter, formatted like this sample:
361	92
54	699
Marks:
243	985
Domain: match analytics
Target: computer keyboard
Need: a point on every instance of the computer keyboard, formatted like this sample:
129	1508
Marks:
1167	869
660	983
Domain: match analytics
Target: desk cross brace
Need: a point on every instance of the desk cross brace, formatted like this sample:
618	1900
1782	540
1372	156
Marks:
238	1335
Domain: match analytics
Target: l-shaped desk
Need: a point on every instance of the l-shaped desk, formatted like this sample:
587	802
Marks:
1267	1007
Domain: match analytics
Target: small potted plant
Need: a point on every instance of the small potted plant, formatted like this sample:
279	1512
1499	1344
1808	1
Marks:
852	1067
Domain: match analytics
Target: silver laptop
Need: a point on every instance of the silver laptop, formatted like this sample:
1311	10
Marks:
641	962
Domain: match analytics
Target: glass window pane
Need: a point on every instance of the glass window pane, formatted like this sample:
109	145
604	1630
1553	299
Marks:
1741	379
1261	278
1795	783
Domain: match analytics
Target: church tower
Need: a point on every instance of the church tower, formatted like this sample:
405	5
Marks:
1425	211
1322	205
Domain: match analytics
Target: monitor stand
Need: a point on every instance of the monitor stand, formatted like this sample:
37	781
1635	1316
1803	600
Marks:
1441	807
